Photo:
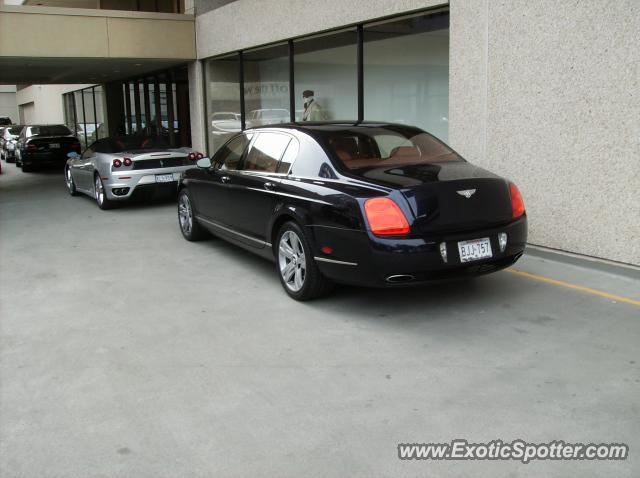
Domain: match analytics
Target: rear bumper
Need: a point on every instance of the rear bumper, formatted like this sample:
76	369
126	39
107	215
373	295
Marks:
359	258
43	159
136	181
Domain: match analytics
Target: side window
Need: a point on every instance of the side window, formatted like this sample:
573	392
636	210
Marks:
289	157
265	152
229	156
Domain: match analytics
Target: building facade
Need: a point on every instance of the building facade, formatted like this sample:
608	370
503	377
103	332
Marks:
545	92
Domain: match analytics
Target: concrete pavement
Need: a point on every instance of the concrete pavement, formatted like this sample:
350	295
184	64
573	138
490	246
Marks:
130	352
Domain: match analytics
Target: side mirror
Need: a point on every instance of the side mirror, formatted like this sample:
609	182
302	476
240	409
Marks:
73	155
204	163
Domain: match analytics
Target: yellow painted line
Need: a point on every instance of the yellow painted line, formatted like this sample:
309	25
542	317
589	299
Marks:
569	285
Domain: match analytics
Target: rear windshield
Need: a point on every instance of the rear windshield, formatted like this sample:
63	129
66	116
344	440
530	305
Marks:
129	143
52	130
15	130
369	147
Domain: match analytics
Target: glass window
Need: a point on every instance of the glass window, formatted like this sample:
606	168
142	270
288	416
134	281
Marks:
229	156
69	112
266	86
49	130
289	157
376	147
412	87
89	125
101	119
78	128
222	79
265	152
325	72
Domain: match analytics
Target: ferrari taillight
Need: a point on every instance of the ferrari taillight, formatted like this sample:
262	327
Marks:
117	163
385	217
517	204
127	161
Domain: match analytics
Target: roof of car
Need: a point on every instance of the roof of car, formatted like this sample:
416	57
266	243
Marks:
334	125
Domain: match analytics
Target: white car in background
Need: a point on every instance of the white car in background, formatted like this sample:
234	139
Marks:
225	122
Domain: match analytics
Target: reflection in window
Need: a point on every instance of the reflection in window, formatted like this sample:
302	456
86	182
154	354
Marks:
228	158
222	80
289	157
326	67
101	118
412	87
266	151
266	86
79	127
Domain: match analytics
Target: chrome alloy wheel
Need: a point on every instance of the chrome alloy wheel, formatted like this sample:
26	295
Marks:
185	214
99	191
292	261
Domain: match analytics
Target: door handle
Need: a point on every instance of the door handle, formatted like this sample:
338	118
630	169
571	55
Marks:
270	186
225	179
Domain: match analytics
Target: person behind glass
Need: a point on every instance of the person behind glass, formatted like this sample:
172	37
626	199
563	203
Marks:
312	110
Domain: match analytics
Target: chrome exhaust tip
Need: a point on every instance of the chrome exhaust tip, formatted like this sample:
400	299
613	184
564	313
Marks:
398	278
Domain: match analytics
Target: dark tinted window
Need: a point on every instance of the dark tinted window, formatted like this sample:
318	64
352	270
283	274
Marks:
15	130
265	152
289	157
49	130
119	144
386	146
228	157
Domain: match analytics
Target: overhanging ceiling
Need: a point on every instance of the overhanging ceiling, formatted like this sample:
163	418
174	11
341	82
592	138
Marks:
43	71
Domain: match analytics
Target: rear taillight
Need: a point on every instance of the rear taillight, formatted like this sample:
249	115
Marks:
199	155
517	204
191	156
385	217
127	162
117	163
76	146
32	147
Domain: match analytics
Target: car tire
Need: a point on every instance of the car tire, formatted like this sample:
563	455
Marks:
71	184
100	195
298	272
190	228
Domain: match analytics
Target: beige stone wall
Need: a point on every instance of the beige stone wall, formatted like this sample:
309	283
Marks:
246	23
548	94
82	33
48	104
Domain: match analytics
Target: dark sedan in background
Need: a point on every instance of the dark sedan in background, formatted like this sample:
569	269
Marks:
44	145
366	204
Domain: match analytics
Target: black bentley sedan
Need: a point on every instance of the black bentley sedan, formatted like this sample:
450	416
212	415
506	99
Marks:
44	145
368	204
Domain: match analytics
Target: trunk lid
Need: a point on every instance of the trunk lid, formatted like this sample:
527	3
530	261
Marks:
156	159
60	144
448	196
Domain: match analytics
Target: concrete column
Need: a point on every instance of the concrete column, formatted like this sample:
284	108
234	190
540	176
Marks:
196	107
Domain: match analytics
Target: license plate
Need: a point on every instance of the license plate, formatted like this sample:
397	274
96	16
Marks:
164	178
474	249
54	145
